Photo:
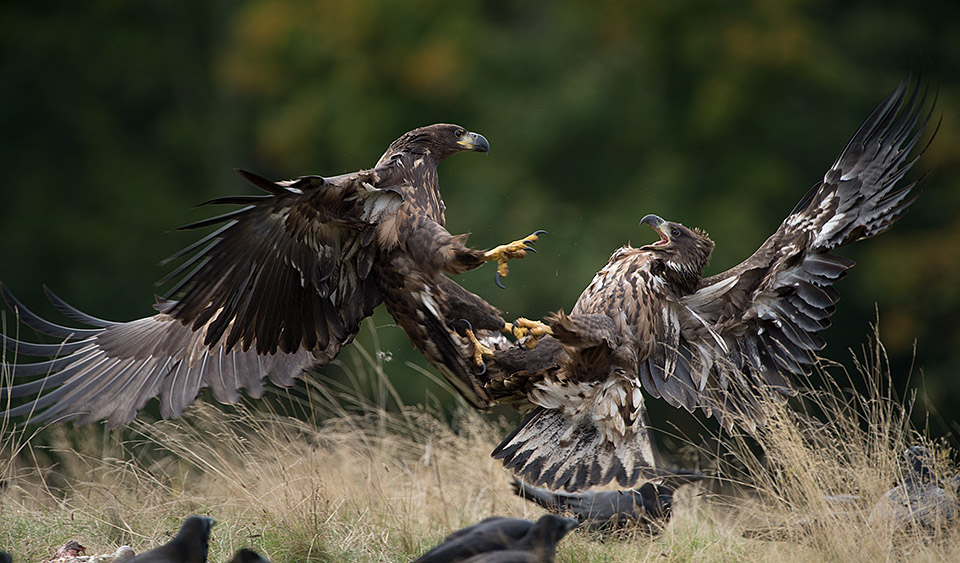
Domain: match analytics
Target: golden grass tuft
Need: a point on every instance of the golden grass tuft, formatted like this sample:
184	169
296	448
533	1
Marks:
826	463
326	475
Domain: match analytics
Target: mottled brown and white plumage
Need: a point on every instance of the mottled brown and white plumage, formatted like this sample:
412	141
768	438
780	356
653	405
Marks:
725	344
279	288
590	426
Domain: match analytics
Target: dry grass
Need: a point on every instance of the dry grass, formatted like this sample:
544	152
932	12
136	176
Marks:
346	480
846	438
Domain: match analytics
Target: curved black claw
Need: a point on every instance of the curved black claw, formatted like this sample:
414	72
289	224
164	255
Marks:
483	368
499	283
529	246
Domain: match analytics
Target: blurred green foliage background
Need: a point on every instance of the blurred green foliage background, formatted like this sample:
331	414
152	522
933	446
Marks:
117	117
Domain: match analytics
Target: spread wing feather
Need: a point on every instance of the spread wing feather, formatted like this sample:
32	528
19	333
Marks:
280	287
113	374
308	245
769	309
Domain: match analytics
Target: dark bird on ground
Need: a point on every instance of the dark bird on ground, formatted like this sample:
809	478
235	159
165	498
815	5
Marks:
246	555
280	287
651	504
725	344
188	546
514	556
500	535
920	498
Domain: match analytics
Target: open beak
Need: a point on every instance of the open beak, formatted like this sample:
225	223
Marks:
474	142
658	225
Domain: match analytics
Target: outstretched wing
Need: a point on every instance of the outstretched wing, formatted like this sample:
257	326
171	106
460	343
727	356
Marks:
744	332
110	371
281	286
291	270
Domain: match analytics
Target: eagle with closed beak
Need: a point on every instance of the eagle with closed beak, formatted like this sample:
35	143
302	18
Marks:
280	287
726	344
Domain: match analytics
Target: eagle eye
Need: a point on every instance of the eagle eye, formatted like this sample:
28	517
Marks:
459	133
674	232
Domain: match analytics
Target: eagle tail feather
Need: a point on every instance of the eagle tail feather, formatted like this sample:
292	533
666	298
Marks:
547	449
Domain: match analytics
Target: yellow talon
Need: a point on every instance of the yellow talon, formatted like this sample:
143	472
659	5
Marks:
479	350
516	249
529	330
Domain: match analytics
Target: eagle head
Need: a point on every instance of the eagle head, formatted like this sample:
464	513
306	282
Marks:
439	141
683	251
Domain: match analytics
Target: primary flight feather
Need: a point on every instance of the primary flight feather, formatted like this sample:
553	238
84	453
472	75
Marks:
726	344
280	287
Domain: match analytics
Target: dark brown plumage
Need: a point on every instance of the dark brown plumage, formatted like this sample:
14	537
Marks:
280	287
650	504
499	538
188	546
725	344
246	555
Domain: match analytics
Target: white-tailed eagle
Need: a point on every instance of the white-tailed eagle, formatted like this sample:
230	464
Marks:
280	287
725	344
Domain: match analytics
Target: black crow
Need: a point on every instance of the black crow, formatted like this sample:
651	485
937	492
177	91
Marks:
650	504
189	545
501	534
247	556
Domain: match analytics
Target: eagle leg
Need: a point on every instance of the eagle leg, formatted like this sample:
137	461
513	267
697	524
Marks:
527	331
480	351
515	249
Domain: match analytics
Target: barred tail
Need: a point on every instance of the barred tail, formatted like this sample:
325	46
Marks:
550	450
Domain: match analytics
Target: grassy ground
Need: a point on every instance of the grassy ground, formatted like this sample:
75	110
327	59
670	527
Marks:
353	482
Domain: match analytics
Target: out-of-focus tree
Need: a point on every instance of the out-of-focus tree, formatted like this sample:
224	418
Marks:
116	118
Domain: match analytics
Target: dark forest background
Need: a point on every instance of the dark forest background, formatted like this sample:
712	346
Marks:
116	118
